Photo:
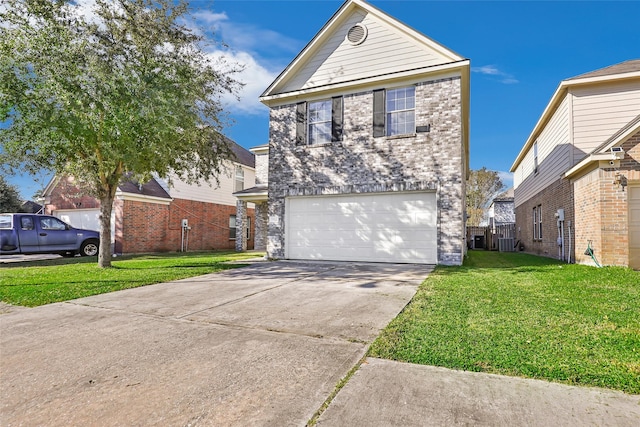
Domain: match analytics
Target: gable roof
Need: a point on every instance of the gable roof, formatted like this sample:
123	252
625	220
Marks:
603	151
621	68
243	156
331	60
618	72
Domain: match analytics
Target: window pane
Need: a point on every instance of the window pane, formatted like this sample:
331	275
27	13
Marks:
319	133
401	111
232	226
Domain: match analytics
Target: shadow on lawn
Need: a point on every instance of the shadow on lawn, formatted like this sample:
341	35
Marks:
513	261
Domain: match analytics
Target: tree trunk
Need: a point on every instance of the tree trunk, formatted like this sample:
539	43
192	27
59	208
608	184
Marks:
106	207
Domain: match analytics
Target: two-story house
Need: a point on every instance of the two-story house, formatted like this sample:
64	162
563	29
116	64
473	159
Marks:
577	177
368	145
164	214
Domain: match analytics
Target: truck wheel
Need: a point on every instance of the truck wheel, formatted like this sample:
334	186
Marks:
89	248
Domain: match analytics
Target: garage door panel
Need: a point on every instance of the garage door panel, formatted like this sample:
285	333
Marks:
385	227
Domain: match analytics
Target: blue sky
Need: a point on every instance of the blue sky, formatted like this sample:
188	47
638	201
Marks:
519	53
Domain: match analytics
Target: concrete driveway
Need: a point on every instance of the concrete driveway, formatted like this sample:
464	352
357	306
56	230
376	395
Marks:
260	345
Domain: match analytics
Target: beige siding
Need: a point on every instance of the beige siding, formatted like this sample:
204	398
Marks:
554	157
601	111
385	50
211	193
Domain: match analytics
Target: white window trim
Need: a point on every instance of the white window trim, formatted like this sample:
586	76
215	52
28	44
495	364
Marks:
389	112
311	123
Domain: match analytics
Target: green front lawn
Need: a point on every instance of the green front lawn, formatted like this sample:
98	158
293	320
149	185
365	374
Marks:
42	282
526	316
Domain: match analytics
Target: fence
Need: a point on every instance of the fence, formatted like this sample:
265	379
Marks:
497	238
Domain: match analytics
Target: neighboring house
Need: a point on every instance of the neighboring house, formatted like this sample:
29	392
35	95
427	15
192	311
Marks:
151	217
368	145
502	210
31	207
577	178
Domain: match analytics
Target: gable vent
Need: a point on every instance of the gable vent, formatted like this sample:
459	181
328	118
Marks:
357	34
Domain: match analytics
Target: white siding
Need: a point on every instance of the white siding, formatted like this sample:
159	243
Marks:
601	111
209	192
385	50
554	157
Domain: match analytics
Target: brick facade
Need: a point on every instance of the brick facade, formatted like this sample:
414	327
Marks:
360	163
558	195
155	227
601	206
596	207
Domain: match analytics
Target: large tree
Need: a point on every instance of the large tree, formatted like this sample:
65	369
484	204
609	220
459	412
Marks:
9	197
122	89
482	186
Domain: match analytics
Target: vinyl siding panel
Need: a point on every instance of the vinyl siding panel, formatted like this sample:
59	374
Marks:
601	111
554	157
384	51
211	193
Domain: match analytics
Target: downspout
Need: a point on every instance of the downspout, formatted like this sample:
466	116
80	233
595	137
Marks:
569	253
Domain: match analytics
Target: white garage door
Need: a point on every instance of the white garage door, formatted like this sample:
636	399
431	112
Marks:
89	219
387	227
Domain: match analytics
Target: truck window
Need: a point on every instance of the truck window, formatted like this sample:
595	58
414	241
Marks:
52	224
5	221
26	223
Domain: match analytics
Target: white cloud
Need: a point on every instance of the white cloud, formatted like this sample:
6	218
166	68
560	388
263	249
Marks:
255	77
492	70
245	37
507	178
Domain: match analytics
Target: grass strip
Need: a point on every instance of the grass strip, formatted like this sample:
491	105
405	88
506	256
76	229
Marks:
37	283
525	316
314	420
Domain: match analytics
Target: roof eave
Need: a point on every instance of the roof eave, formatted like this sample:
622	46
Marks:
462	66
557	97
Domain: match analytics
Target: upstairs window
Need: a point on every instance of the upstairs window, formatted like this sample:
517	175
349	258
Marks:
535	157
319	122
401	115
239	179
394	112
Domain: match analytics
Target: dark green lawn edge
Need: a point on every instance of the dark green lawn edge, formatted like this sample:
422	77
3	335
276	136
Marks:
524	316
36	283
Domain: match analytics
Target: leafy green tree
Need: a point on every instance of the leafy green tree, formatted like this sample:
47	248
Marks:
125	90
9	197
482	187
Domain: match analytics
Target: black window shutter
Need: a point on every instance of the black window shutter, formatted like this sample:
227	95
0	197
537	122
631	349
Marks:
336	119
301	123
378	112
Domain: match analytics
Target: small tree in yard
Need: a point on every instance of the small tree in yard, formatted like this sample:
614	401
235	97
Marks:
9	197
125	90
482	186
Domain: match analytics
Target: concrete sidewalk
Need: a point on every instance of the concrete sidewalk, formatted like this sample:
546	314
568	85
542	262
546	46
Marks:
387	393
260	345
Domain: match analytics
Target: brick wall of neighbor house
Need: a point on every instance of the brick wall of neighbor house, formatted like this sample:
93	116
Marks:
67	195
361	163
558	195
149	227
602	210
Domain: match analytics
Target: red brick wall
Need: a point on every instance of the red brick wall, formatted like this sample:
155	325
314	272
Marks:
151	227
67	195
588	214
148	227
602	209
558	195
